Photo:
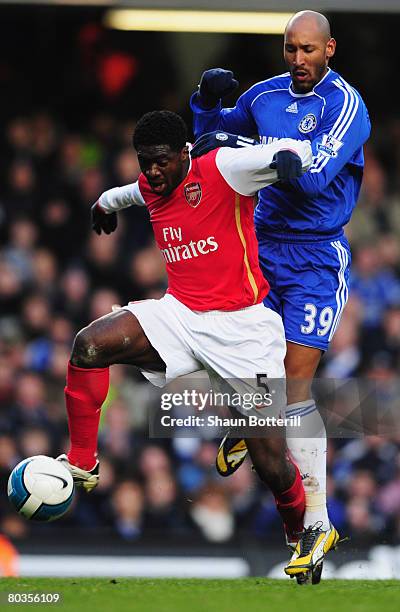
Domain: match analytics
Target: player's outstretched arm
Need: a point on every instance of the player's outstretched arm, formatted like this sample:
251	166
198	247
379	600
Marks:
214	85
104	211
205	103
287	163
250	169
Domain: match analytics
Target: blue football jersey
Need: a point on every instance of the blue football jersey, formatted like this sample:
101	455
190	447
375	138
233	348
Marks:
334	118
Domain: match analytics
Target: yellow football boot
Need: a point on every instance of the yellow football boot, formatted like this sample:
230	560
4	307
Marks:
231	454
309	554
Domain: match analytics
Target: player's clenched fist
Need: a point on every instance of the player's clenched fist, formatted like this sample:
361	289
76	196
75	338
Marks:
287	164
101	221
215	84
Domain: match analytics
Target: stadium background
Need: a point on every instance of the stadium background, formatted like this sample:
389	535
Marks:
72	92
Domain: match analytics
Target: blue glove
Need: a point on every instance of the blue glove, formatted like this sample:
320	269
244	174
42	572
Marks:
215	84
287	164
214	140
101	221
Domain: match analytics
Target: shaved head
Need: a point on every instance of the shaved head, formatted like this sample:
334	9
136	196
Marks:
310	20
308	47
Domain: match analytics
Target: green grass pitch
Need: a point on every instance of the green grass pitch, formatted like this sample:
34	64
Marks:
197	595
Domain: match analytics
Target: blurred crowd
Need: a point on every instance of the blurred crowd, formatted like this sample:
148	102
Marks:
56	276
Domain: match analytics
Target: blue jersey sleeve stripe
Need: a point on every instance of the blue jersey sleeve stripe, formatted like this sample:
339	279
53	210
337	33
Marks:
342	117
346	108
340	136
348	119
342	124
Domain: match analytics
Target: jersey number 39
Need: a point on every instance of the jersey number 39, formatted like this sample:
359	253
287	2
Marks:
324	320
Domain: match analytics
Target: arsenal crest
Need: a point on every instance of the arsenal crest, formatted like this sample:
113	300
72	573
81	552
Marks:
192	193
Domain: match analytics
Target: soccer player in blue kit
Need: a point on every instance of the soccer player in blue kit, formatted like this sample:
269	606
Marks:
303	251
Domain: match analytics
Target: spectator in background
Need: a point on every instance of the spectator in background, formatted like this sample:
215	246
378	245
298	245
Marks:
21	197
128	506
11	289
116	435
363	517
35	316
388	498
153	459
44	273
103	264
163	508
35	441
102	303
73	296
30	408
243	495
212	515
376	287
20	249
59	225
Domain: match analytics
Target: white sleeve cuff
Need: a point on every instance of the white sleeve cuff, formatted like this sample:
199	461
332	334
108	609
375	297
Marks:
117	198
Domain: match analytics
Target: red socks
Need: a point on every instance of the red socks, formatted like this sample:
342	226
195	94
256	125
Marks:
85	393
291	505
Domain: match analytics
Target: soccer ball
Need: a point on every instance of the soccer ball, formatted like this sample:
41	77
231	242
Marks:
40	488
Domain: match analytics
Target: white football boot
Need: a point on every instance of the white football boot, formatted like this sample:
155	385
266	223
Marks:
87	479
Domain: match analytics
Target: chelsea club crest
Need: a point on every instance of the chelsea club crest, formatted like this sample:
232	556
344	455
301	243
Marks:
308	123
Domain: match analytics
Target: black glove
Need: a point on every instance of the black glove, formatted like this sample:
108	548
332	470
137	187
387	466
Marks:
287	164
214	140
214	84
101	221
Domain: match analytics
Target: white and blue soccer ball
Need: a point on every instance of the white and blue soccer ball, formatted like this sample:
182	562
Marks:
41	488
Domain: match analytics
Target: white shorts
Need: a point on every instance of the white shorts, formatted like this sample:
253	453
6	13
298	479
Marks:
231	346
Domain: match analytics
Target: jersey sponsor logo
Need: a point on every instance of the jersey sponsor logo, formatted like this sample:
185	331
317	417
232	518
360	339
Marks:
292	108
329	146
193	194
221	136
308	123
194	248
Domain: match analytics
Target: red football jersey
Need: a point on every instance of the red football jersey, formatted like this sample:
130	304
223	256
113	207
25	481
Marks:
205	231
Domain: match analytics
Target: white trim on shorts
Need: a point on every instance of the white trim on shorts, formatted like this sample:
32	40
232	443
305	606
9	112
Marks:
342	292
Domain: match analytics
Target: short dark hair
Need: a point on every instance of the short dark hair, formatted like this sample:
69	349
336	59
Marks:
160	128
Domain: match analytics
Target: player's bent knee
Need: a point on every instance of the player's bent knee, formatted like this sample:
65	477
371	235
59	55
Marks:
87	351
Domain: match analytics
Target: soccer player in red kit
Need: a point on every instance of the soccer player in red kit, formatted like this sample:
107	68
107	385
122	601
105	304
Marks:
212	317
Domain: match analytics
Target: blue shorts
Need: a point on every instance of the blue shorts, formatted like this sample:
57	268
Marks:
309	282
